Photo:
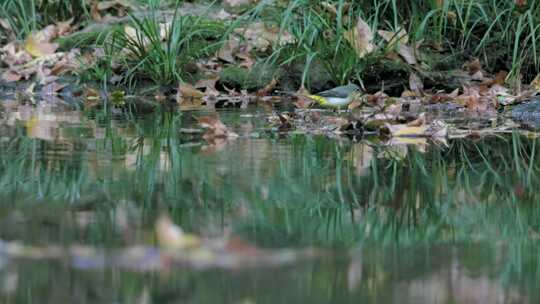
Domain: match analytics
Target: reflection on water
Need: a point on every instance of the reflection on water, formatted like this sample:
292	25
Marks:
397	223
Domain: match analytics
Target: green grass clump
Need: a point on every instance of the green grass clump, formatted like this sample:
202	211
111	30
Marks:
158	50
31	15
503	34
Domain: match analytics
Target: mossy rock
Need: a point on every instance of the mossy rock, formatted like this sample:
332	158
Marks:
238	7
240	78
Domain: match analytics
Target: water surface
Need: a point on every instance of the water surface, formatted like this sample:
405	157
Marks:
417	223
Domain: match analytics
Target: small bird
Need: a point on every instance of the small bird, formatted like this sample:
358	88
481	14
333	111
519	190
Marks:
337	97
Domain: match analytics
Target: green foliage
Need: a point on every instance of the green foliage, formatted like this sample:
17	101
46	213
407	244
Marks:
502	34
30	15
157	51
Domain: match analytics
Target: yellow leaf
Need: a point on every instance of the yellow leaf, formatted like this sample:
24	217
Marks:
39	48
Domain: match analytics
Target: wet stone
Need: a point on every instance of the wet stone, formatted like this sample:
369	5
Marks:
528	113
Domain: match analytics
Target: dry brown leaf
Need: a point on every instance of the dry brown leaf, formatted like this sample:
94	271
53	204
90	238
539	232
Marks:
94	12
52	89
209	85
268	88
11	76
329	7
479	76
361	38
247	59
226	52
443	97
302	99
500	78
262	37
420	121
63	28
407	53
472	66
399	37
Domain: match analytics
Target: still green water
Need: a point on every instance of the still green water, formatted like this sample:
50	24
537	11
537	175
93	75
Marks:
417	223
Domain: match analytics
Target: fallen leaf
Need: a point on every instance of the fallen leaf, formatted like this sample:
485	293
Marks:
227	50
52	89
39	48
472	66
420	121
11	76
443	97
268	88
261	37
361	38
329	7
394	38
479	76
407	53
302	98
209	85
285	122
500	78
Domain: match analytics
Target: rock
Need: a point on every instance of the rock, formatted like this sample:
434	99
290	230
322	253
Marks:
258	77
528	113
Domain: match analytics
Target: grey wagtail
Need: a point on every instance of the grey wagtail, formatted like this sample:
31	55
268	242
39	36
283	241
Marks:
337	97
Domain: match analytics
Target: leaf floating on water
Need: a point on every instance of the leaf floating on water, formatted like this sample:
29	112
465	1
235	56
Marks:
361	38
